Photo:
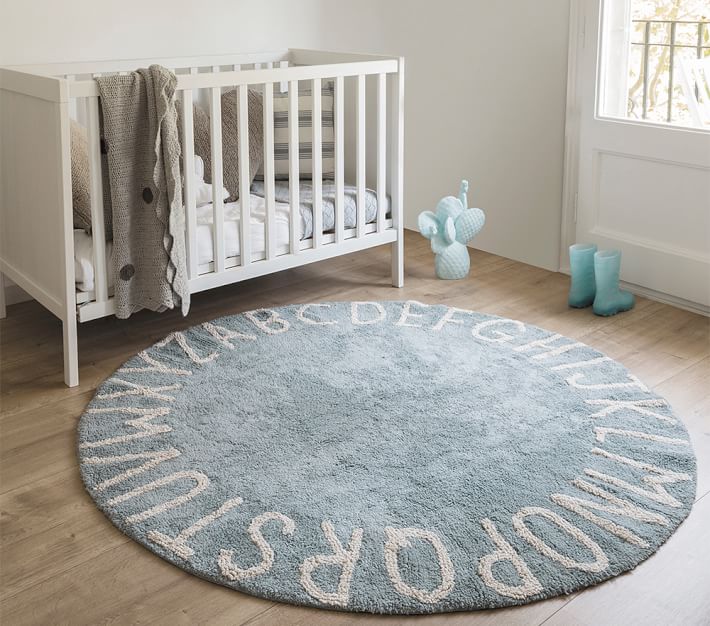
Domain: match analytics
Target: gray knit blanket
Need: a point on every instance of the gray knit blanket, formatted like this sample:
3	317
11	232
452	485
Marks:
142	145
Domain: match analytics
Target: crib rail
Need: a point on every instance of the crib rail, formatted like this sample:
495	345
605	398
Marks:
257	76
126	65
367	132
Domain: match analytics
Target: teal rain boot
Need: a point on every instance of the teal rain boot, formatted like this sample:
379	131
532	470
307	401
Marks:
581	263
609	299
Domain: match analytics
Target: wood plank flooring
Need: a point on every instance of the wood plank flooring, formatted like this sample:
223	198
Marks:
62	562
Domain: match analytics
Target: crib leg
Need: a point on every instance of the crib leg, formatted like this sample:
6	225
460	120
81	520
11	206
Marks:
398	262
3	309
71	353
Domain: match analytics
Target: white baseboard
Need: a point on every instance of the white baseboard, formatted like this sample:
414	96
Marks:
15	294
680	303
658	296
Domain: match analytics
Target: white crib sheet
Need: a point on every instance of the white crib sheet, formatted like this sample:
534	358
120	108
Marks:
83	248
84	255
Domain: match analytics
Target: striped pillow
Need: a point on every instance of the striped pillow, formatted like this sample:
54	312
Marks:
305	130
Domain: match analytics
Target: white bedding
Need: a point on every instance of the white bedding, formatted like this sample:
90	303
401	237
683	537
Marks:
83	248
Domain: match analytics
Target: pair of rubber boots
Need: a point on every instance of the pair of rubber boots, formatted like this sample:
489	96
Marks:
595	280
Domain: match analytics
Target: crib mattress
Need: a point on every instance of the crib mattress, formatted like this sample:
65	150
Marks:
83	247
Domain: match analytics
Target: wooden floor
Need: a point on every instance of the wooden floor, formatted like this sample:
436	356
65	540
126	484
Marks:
62	562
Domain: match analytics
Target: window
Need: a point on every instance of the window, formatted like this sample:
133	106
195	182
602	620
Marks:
655	61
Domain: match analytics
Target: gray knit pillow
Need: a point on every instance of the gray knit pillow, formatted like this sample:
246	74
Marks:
81	181
80	184
230	140
305	131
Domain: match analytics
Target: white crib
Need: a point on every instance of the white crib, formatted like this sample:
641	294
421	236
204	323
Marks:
36	220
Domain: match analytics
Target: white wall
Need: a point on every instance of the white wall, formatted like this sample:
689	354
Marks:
485	92
40	31
485	100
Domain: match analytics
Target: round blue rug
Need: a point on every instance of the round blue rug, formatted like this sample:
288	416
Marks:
391	457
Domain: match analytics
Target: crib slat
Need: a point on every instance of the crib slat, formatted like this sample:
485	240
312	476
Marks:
244	193
317	160
339	159
98	232
269	170
360	173
293	176
80	103
188	155
381	150
217	177
283	85
73	109
397	172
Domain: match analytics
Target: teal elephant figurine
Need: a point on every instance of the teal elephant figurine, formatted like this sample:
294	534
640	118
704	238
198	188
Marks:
450	228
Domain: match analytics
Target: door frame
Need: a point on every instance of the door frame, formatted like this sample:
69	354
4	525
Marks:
570	179
570	175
